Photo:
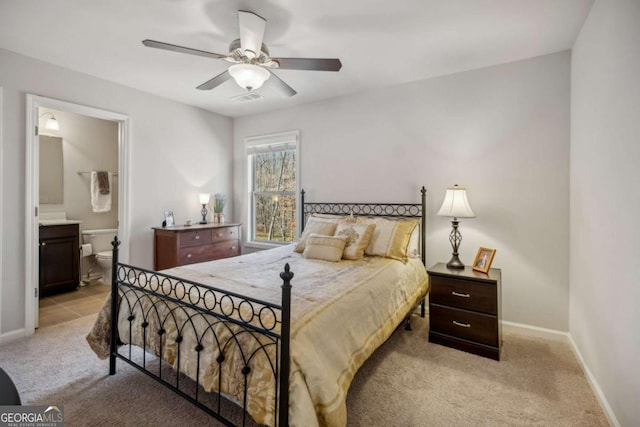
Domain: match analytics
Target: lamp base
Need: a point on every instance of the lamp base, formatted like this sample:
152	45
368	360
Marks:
204	214
455	262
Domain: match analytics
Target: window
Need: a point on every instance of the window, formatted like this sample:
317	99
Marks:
273	192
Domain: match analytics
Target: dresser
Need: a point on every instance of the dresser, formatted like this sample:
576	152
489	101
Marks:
464	309
174	246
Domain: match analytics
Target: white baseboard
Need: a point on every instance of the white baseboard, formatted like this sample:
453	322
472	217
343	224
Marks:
534	331
594	385
11	336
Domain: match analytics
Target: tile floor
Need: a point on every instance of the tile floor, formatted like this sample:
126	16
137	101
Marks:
83	301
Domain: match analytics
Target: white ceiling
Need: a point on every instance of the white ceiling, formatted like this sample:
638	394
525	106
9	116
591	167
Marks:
380	42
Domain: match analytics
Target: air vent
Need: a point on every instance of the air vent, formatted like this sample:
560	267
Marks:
246	97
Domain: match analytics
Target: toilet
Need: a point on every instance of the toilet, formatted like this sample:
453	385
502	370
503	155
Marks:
100	249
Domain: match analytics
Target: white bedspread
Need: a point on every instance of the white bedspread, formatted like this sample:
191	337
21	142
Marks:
341	312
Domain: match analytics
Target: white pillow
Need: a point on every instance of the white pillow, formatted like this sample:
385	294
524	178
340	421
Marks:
414	244
315	225
327	248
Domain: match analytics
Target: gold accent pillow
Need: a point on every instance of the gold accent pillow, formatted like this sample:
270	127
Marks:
327	248
322	226
390	238
358	238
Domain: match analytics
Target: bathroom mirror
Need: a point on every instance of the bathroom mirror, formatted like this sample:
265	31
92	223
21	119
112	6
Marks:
51	170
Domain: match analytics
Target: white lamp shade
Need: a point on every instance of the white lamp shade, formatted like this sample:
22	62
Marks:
204	198
455	204
249	76
52	124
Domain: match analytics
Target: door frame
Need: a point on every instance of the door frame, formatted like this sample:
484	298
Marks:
32	158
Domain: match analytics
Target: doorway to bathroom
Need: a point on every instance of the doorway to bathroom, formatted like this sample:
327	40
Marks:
77	182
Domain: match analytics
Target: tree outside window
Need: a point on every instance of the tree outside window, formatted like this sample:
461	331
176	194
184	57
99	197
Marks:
274	193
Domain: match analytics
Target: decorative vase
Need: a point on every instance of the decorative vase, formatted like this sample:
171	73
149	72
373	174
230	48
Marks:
218	218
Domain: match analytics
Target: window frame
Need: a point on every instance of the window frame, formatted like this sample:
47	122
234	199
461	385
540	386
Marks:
288	138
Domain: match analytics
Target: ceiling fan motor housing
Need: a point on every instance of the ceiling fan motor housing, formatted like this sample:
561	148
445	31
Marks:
236	52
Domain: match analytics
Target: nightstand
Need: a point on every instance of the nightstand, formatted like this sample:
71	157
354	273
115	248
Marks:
464	309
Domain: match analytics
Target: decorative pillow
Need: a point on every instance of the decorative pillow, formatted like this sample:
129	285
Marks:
414	244
328	216
345	218
327	248
358	238
390	238
322	226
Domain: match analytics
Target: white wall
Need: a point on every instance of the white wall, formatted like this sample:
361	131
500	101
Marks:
88	144
502	132
605	201
176	152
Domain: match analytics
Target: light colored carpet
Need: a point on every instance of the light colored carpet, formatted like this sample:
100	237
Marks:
407	382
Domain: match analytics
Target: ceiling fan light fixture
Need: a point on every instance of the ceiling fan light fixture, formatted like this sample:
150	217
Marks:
249	76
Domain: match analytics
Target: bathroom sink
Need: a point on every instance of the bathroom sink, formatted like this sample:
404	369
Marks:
46	222
56	218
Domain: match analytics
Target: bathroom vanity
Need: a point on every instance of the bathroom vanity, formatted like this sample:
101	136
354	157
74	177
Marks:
59	256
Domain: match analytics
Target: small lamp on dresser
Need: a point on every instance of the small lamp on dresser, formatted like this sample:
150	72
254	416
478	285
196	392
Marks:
455	205
204	200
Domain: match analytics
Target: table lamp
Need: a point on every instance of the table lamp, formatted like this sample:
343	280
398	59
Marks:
204	200
455	205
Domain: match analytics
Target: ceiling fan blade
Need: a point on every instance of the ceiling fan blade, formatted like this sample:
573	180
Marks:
215	82
313	64
281	86
251	33
181	49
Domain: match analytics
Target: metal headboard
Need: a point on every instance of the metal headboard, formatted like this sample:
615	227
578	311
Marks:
388	210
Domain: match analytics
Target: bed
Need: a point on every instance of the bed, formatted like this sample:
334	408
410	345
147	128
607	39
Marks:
283	351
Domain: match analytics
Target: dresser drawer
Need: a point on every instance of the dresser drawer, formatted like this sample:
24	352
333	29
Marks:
194	254
465	294
478	327
225	233
195	237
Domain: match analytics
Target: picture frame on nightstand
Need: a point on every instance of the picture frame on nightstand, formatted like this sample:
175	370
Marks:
483	260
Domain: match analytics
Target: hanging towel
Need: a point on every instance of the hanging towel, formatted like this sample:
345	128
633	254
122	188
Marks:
100	202
103	182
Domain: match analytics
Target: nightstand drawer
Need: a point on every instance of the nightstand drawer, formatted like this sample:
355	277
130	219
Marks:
195	237
210	252
465	294
468	325
227	233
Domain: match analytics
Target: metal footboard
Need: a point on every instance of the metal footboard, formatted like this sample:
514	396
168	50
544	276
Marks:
239	330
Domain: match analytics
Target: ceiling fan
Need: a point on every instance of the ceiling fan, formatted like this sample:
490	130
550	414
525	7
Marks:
252	63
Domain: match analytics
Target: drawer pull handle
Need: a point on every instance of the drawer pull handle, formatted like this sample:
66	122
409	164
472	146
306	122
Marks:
219	235
464	325
458	294
197	236
233	248
188	255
